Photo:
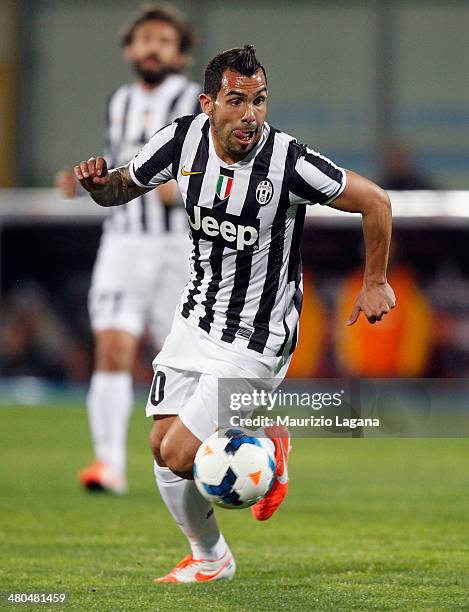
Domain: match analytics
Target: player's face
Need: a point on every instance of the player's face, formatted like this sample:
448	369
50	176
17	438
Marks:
155	51
237	114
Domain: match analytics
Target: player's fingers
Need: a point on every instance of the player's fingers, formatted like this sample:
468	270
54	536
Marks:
92	166
84	169
78	173
355	314
101	167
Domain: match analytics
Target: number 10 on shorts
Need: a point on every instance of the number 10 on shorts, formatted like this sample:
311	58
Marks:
157	388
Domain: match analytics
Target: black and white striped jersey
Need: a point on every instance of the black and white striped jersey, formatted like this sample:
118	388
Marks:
133	115
246	221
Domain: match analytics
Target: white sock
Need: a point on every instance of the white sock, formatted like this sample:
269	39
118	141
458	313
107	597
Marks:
110	400
192	513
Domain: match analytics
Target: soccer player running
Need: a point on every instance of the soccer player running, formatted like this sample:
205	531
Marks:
142	264
245	185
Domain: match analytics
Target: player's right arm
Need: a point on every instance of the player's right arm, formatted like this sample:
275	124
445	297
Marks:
108	188
150	168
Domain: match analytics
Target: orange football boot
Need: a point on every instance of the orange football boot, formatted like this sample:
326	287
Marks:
201	570
265	507
101	477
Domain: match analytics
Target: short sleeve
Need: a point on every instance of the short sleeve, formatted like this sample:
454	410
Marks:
153	165
315	179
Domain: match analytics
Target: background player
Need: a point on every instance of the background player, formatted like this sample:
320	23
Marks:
245	186
142	263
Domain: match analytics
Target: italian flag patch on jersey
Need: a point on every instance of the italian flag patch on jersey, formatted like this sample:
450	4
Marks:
224	185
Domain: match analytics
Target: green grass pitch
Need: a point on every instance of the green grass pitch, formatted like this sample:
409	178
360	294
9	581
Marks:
368	525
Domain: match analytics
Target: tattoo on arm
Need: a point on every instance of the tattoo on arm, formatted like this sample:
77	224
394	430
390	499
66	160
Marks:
119	190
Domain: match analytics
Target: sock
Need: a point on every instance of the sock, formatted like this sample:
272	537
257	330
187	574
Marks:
193	514
110	400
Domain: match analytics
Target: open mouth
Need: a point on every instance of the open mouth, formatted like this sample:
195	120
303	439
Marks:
151	62
244	136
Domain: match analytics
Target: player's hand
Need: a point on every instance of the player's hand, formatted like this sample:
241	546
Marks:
66	182
92	174
374	300
168	193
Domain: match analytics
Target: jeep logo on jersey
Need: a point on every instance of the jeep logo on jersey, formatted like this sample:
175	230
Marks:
225	230
264	192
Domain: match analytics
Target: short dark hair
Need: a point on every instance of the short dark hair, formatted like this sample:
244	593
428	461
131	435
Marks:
239	59
166	13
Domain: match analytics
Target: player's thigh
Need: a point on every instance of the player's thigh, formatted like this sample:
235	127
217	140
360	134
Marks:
115	350
205	410
173	445
170	392
200	412
225	400
203	402
160	427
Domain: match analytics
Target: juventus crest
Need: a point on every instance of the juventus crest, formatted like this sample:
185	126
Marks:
264	192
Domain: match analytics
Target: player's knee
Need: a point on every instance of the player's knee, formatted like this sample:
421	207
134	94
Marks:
115	351
155	445
177	458
113	363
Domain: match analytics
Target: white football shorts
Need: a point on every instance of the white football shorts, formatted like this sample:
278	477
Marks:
195	376
137	282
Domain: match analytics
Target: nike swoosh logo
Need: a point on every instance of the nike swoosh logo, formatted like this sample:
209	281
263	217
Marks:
283	479
202	577
185	172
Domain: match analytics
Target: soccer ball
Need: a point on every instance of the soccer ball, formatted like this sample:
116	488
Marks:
233	469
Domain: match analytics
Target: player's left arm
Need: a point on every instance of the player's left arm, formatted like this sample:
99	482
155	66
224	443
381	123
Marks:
360	195
168	193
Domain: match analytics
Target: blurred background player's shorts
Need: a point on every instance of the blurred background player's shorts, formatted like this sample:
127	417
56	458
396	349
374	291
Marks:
138	281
